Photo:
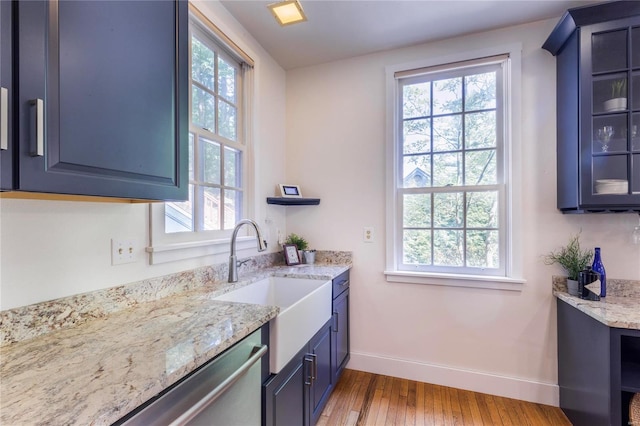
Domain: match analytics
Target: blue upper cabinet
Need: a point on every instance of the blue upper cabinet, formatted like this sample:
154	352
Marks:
102	98
597	50
6	96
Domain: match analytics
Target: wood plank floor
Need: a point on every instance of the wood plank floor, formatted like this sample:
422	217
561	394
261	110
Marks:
366	399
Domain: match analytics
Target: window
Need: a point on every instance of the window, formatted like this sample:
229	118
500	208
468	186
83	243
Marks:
216	145
449	190
219	151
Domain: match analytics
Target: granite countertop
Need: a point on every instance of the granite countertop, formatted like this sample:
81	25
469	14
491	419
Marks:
619	309
100	369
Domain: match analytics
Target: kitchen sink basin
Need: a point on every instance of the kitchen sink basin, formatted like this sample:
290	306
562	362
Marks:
305	306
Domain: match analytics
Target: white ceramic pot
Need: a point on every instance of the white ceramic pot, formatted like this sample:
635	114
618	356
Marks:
615	104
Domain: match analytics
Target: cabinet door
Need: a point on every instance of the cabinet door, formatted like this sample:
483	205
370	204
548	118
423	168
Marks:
341	333
108	83
284	395
322	383
6	95
610	149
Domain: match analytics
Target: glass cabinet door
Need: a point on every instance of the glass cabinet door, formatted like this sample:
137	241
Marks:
610	139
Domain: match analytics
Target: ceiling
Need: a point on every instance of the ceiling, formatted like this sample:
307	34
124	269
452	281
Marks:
338	29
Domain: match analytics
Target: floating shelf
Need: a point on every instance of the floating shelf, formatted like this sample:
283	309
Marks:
285	201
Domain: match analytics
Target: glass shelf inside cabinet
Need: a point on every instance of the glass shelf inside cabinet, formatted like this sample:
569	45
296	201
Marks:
610	175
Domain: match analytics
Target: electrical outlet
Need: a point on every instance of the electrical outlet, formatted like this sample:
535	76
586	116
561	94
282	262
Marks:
123	251
367	235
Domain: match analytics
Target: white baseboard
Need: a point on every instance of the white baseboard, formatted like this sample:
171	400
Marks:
509	387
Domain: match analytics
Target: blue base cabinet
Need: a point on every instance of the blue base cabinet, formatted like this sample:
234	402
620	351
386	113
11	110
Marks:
598	368
298	393
101	98
6	95
340	331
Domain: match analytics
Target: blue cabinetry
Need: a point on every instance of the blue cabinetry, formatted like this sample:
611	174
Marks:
101	98
6	96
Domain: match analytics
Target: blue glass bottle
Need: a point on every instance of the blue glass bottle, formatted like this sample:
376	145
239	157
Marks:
599	268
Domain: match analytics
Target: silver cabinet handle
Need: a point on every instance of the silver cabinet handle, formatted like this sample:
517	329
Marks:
344	283
336	321
219	390
314	375
4	118
37	124
309	377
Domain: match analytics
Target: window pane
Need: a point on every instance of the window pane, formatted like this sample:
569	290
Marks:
191	158
447	133
210	161
417	210
480	91
202	64
211	208
416	100
416	247
226	80
416	136
482	209
482	249
232	208
447	96
178	217
447	169
227	120
415	171
447	210
203	109
447	247
480	130
232	171
480	167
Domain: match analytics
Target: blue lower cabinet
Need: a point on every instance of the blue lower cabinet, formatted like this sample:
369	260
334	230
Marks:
297	395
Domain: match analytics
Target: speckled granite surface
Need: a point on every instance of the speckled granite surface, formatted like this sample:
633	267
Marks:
620	309
95	357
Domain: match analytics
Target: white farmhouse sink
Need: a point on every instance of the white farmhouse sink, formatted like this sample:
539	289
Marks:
305	306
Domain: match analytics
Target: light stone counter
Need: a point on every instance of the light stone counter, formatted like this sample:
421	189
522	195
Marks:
95	357
620	309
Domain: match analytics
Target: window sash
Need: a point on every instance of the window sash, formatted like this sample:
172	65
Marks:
422	75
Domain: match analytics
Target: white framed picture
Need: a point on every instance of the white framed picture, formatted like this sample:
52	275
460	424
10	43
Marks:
290	191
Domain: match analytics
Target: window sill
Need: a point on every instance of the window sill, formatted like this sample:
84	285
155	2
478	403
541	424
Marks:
453	280
189	250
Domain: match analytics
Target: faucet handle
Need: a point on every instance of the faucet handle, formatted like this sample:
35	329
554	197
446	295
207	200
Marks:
242	262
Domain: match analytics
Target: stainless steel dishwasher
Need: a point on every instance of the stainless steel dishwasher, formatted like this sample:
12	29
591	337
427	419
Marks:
225	392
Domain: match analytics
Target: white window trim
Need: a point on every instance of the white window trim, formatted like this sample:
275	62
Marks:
513	278
177	246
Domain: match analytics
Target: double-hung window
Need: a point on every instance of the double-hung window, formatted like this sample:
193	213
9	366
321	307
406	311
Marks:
450	191
219	157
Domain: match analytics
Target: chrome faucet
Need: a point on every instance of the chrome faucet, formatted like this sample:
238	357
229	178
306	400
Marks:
233	261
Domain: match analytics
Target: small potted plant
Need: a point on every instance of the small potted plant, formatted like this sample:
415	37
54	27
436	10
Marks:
618	100
572	259
302	245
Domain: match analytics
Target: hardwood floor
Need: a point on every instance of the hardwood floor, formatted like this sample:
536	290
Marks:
366	399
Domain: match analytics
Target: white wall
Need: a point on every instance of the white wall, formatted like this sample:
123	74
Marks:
51	249
493	341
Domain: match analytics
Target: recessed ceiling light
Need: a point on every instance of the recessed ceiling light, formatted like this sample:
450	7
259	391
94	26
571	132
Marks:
287	12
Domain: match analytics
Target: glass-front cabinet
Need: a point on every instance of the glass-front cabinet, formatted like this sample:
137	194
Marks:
598	107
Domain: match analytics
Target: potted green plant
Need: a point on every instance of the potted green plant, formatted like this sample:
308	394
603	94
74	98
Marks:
618	100
302	245
573	259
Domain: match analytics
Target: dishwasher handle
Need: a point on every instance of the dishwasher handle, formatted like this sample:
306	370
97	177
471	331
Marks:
216	392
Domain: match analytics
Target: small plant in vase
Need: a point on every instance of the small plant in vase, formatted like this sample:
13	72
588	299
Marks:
302	245
572	259
618	100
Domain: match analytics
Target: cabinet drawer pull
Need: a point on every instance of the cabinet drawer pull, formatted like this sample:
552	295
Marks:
37	126
4	118
344	283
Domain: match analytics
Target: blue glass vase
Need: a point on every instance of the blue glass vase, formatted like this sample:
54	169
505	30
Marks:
599	268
